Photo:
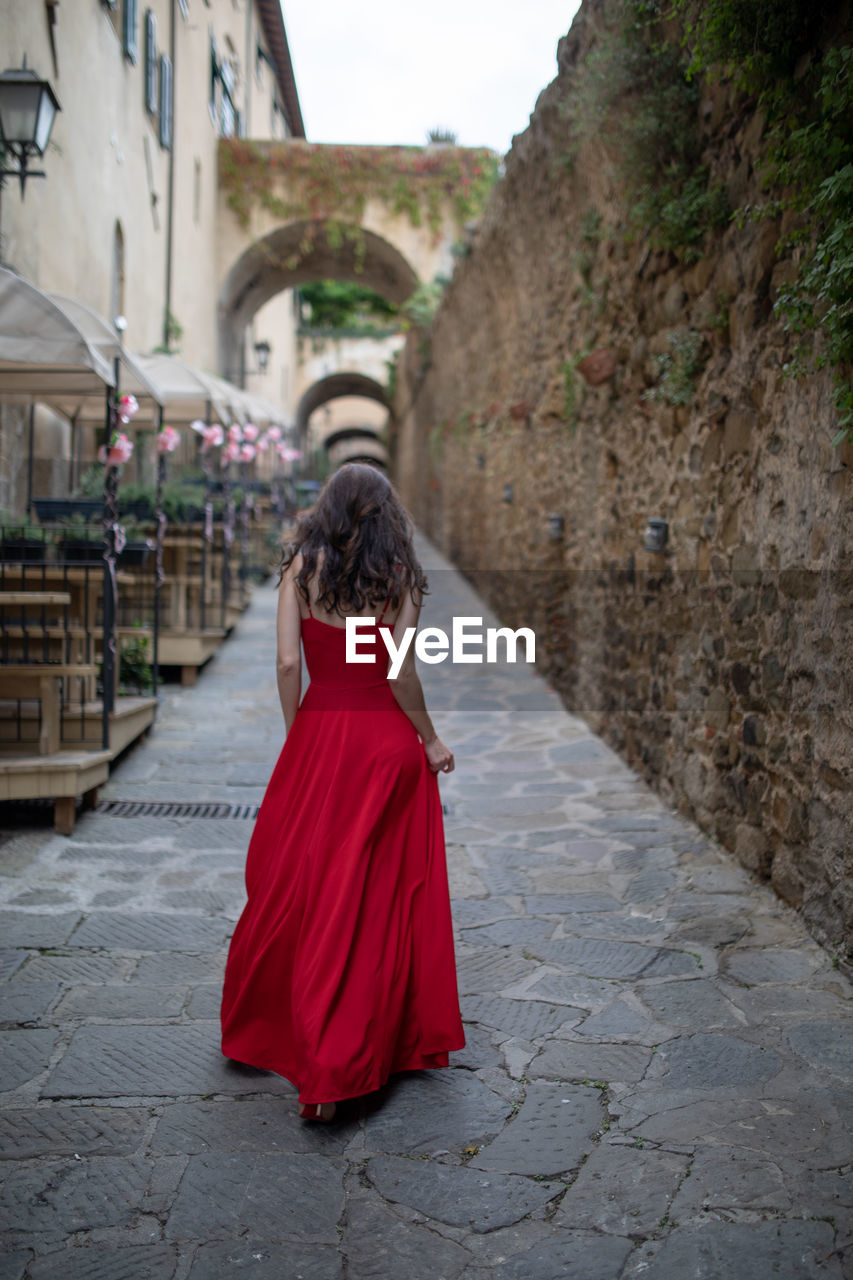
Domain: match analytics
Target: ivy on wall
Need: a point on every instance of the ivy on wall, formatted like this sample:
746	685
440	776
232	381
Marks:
298	181
639	90
773	51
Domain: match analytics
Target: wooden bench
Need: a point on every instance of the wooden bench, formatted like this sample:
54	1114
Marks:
43	681
35	597
62	777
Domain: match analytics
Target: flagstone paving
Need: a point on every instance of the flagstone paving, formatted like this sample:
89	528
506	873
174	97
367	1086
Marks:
657	1080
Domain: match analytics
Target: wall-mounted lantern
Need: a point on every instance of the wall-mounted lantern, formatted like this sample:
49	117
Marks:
481	461
509	493
656	535
28	108
263	350
556	526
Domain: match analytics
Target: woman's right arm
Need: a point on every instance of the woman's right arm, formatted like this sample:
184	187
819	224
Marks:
410	696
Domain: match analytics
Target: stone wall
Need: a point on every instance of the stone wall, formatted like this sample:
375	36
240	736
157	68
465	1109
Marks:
720	667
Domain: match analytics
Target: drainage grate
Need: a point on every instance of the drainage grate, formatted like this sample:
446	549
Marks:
176	809
185	809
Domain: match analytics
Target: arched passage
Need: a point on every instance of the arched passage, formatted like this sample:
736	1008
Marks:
292	255
355	443
350	434
332	388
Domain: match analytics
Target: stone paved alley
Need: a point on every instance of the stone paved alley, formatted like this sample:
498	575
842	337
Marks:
657	1076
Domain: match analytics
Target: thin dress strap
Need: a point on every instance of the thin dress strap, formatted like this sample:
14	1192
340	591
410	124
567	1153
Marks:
384	610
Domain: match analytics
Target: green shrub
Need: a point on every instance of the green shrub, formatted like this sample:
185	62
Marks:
134	669
635	93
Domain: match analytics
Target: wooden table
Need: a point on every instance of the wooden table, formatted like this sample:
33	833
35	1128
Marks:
43	681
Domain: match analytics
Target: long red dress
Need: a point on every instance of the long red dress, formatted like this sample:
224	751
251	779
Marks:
341	968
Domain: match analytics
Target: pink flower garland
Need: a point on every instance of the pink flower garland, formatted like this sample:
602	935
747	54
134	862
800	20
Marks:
119	451
168	440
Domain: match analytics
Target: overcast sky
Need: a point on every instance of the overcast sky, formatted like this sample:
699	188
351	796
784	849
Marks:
387	71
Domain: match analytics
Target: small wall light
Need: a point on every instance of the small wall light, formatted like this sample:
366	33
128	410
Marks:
509	493
556	526
656	535
263	351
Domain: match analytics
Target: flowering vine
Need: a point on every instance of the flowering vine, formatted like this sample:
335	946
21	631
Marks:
331	185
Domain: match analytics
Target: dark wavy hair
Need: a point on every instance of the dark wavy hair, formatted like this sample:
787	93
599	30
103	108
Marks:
357	541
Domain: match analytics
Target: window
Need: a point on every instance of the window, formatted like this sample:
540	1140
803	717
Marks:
223	112
165	101
117	283
150	63
130	25
229	113
214	80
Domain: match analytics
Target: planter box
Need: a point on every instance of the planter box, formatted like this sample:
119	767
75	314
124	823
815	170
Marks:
61	508
135	553
81	550
23	549
139	509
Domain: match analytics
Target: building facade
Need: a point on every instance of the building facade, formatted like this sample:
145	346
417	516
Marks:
125	219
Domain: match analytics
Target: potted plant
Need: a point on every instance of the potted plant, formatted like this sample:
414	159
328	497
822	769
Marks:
80	541
136	501
137	548
134	665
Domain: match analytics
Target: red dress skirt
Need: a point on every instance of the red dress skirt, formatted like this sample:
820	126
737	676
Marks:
341	968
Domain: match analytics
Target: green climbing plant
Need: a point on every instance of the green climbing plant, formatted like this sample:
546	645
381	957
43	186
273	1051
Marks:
772	50
332	184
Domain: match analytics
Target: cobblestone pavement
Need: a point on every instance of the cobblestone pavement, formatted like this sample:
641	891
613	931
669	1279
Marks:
657	1076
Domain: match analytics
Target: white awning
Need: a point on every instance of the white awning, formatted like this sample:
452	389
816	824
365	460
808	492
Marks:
58	351
44	355
187	393
100	335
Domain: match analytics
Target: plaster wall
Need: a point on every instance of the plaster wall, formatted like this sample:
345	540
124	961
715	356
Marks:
106	168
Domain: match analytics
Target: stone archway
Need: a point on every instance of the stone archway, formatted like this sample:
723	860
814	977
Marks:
294	254
334	387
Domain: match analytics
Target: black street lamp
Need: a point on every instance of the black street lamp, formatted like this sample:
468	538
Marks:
28	107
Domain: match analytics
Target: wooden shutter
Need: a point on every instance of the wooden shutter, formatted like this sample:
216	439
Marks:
165	101
130	36
150	63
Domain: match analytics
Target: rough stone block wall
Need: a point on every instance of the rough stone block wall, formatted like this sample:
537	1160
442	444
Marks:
721	666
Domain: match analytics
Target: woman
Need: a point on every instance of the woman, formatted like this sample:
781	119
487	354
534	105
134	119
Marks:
341	969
